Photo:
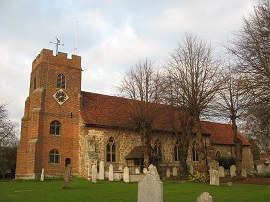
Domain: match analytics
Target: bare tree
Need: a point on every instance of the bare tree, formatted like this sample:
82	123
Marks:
180	122
252	50
194	70
232	103
257	126
8	142
142	84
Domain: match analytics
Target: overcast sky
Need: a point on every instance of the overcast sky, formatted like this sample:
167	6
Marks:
112	36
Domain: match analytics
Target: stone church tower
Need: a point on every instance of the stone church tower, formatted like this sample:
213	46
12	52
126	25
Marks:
50	125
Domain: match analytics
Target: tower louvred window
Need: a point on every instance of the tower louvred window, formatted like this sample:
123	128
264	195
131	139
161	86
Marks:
61	81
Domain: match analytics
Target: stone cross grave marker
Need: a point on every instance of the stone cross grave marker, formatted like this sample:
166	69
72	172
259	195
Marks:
150	189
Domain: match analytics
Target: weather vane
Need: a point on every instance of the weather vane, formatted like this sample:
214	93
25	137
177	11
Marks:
57	44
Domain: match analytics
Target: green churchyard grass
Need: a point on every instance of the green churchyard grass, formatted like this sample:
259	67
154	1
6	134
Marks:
103	191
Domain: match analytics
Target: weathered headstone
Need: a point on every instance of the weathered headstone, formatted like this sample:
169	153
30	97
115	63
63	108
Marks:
190	170
174	171
205	197
226	172
168	173
137	170
42	175
153	170
232	170
145	170
126	174
243	173
261	169
214	177
111	172
94	173
150	189
221	171
101	170
117	175
120	168
67	175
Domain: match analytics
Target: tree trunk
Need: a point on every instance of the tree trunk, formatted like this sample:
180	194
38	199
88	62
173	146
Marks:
146	147
238	148
201	148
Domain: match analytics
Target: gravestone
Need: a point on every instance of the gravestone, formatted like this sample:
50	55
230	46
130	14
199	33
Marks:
126	175
67	175
226	172
243	173
117	175
94	173
145	170
150	189
101	170
111	172
261	169
205	197
221	171
174	171
214	177
190	170
137	170
232	170
120	168
42	175
168	173
153	170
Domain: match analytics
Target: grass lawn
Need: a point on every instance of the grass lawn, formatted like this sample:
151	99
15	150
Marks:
103	191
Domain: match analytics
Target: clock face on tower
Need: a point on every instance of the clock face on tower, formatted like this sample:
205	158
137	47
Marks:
60	96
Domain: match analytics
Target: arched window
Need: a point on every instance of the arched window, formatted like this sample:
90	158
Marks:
61	81
54	156
111	150
177	151
35	83
55	128
157	150
195	156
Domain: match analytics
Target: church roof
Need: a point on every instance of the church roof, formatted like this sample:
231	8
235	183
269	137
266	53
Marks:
100	110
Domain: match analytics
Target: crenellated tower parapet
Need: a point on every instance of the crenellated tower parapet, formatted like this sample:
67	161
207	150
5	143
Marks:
46	56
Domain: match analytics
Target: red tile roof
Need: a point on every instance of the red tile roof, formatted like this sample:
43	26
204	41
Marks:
111	111
221	133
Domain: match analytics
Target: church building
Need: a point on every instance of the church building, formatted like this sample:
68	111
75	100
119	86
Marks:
64	125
